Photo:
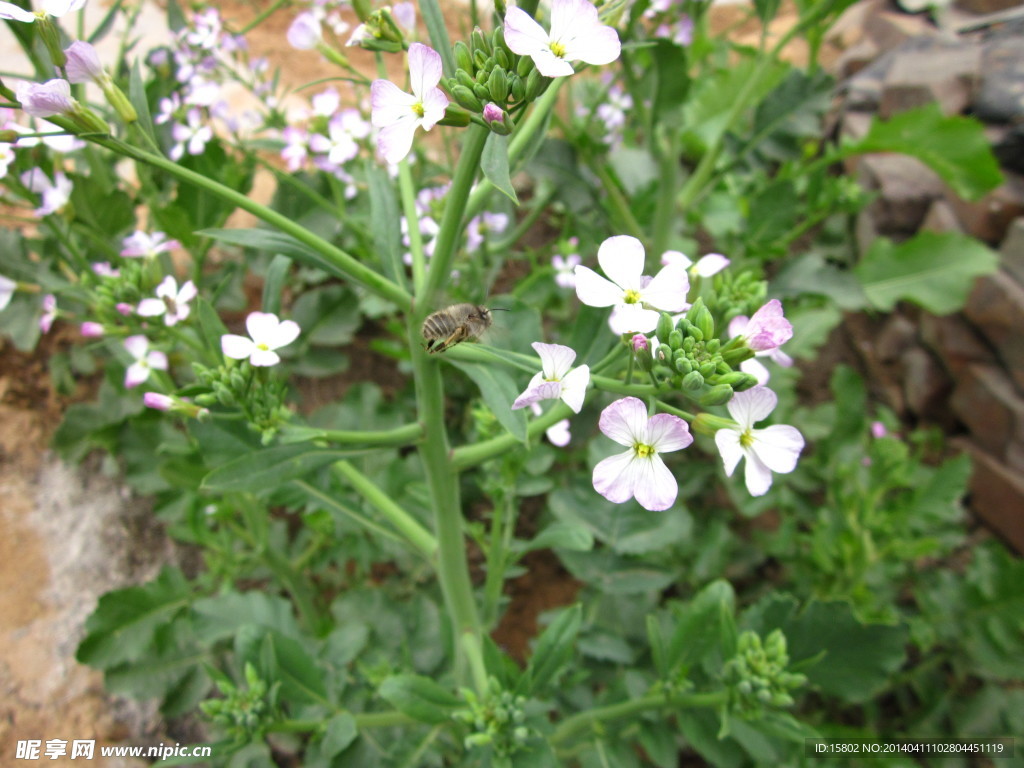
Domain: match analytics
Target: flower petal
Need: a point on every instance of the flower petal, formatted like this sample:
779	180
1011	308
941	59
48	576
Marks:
625	421
262	326
424	69
656	488
668	433
394	142
523	35
546	390
434	105
287	332
597	45
728	442
632	318
615	477
151	307
749	407
550	65
136	374
778	447
574	387
389	104
13	12
756	475
264	358
555	359
667	291
137	346
622	259
594	290
236	347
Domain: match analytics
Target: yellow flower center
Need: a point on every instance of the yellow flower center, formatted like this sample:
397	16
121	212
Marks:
632	297
558	49
746	439
644	451
263	347
418	109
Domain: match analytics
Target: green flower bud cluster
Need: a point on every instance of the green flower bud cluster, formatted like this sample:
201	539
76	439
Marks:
498	720
488	73
382	32
737	294
756	676
243	711
254	391
689	355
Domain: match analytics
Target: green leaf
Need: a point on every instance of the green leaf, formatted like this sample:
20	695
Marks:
672	78
283	660
271	468
955	147
339	732
273	242
844	657
219	616
499	391
554	649
562	535
328	316
935	270
137	98
210	326
810	273
419	697
705	628
122	627
615	574
273	283
385	218
161	675
494	163
773	212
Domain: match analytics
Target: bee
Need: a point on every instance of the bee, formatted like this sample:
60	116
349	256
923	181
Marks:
451	325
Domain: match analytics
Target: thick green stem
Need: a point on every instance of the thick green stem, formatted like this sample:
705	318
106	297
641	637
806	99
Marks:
471	455
573	726
408	193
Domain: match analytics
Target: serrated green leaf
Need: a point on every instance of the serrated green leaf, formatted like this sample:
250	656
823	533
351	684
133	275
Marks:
285	660
219	616
384	221
494	163
498	390
562	535
122	627
419	697
270	468
701	627
955	147
934	270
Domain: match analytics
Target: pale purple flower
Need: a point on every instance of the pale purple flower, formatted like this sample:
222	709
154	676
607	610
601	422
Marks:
635	298
268	333
158	401
398	114
192	135
169	302
772	449
7	289
576	35
556	379
167	108
405	15
7	157
91	330
558	433
878	430
124	308
296	147
492	112
341	144
46	99
145	361
49	8
767	328
706	266
565	266
83	65
49	313
326	103
640	342
479	226
104	269
740	326
304	32
142	245
640	471
55	194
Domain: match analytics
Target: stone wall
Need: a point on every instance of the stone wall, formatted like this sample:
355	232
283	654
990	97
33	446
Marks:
964	372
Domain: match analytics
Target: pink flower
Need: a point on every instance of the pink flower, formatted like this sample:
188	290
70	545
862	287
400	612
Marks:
268	333
49	313
46	99
640	471
635	298
83	65
767	328
741	326
565	276
576	35
55	194
555	379
192	134
158	401
169	301
140	244
492	112
145	360
772	449
398	114
91	330
304	32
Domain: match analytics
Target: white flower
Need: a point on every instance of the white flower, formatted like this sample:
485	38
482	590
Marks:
772	449
194	135
304	32
50	8
169	301
565	276
640	470
635	299
707	265
55	194
398	114
142	245
576	35
558	433
46	99
268	333
7	289
555	380
145	361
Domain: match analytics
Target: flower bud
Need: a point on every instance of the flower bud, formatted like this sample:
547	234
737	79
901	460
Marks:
158	401
643	359
524	67
501	56
693	381
720	394
665	326
664	352
708	424
517	88
464	78
479	43
682	363
700	316
91	330
707	369
481	92
497	84
675	339
463	59
455	116
8	136
465	97
533	85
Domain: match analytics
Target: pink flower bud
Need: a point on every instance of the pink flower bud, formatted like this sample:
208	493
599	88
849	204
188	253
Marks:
91	330
158	401
639	342
125	308
83	63
493	113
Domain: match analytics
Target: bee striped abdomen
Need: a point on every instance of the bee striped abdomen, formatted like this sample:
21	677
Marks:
459	322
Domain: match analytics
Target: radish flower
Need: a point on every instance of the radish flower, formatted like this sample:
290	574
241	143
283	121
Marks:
268	333
640	471
741	326
555	380
767	328
50	8
707	265
772	449
576	35
398	114
7	288
635	298
146	360
169	301
142	245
